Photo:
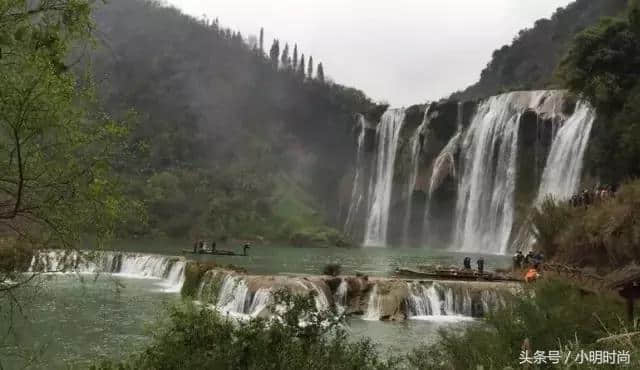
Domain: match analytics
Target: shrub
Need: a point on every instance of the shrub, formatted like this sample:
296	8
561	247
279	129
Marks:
203	339
332	269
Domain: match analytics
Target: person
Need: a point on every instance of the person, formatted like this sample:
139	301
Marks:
244	248
467	263
532	275
195	247
481	265
201	247
517	260
213	246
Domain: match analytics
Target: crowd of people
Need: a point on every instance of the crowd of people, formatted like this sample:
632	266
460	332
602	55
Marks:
532	262
597	194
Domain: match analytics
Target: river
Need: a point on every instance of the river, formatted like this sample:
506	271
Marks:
73	319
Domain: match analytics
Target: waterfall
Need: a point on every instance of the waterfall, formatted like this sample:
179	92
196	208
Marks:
442	302
413	177
561	176
132	265
485	206
388	134
358	191
374	307
340	297
260	302
233	295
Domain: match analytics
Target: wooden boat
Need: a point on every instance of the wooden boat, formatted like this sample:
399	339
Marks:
451	274
217	252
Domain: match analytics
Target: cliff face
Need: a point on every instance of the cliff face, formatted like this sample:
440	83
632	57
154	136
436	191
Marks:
466	174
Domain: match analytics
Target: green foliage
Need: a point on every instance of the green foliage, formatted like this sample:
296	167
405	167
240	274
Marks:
548	221
552	315
603	66
218	124
56	147
604	235
301	337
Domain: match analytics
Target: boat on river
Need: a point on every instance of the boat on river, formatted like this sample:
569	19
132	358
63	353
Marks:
453	274
217	252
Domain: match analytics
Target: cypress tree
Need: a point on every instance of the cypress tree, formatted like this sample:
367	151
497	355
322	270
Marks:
295	56
261	40
285	59
310	68
274	53
320	73
301	68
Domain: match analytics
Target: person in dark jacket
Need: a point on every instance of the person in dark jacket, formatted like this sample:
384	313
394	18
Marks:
467	263
480	265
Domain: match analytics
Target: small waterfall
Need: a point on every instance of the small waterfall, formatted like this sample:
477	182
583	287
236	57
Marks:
358	191
233	295
374	308
340	297
131	265
260	302
561	176
485	206
413	177
381	184
438	301
445	165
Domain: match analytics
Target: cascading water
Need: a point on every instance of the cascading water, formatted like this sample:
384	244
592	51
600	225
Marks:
413	177
485	206
439	302
340	297
374	307
561	176
233	296
260	302
359	190
132	265
388	134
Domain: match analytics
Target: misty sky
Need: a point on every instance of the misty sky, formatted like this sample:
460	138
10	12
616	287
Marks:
400	51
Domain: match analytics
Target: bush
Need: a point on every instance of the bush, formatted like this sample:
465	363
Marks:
203	339
332	269
605	235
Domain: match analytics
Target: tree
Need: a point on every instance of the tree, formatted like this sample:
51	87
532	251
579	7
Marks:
261	42
285	59
295	57
320	72
603	66
310	68
301	70
56	148
274	53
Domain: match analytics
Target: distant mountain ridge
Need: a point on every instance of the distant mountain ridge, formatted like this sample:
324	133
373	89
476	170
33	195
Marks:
529	62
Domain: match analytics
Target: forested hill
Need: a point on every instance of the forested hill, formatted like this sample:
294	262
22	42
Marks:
230	138
531	59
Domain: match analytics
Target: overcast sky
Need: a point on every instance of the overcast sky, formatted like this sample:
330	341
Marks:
400	51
